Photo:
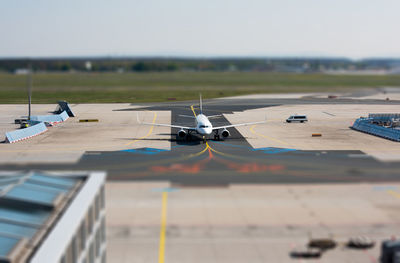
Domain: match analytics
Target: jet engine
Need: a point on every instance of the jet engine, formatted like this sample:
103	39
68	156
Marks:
225	133
181	133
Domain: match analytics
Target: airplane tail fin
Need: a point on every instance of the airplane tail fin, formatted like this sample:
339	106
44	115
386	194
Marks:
201	105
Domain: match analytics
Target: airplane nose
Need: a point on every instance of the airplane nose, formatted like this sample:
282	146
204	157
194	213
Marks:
205	131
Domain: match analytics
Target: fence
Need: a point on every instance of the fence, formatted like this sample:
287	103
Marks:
367	125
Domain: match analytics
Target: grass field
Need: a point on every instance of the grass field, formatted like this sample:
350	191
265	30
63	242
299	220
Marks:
155	87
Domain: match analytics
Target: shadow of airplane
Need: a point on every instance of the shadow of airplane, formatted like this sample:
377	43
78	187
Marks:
194	140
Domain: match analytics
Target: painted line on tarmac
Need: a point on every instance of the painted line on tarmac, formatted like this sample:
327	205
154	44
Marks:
330	114
161	250
381	188
194	113
266	150
393	193
148	134
266	137
199	153
228	155
220	153
165	189
274	150
146	151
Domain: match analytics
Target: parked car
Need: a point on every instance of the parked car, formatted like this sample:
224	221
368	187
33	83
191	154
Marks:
298	118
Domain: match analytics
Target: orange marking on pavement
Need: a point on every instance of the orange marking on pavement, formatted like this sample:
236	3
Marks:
182	168
210	154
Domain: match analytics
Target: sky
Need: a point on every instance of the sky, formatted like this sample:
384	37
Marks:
211	28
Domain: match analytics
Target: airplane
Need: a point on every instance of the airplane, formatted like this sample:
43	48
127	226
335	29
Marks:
202	126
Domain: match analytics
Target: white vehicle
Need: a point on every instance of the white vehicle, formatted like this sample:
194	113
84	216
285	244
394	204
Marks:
203	126
298	118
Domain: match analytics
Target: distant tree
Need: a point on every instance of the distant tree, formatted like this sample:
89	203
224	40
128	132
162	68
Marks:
66	66
172	67
140	67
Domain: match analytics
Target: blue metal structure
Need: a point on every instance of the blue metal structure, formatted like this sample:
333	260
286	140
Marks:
379	125
7	244
390	251
26	133
63	106
37	125
29	202
51	118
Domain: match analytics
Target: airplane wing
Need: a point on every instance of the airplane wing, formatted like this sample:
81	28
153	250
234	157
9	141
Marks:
164	125
239	124
187	116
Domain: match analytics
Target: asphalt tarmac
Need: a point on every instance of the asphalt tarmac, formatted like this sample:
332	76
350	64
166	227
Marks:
232	160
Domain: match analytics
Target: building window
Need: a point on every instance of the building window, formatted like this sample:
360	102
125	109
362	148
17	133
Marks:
98	242
74	250
104	257
79	240
103	230
89	221
102	197
91	253
97	206
82	233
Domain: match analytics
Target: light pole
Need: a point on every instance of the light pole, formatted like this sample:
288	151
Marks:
29	83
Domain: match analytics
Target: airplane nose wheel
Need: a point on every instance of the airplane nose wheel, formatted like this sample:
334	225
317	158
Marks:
204	139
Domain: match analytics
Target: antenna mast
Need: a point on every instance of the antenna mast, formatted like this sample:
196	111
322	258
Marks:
29	83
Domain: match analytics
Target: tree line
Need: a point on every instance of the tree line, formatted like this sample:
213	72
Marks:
300	65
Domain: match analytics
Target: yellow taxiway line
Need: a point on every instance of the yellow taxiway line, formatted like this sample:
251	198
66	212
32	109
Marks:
266	137
213	150
393	193
199	153
161	251
148	134
220	153
194	113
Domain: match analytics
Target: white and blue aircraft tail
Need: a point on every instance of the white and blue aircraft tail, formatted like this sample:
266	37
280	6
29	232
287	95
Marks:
203	126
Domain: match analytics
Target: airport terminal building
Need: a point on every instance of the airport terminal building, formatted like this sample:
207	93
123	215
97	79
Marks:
52	217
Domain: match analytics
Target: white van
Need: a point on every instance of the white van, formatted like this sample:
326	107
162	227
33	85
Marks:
298	118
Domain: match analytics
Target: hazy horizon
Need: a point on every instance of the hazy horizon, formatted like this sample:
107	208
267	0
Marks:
352	29
198	57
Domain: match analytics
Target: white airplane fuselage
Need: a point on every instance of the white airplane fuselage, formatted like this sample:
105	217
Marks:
203	125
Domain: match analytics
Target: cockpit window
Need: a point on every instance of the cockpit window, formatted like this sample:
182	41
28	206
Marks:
203	126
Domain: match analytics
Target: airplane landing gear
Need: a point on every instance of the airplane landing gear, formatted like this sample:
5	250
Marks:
188	136
216	135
